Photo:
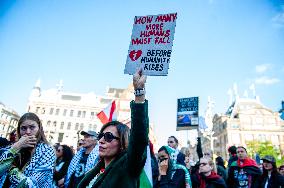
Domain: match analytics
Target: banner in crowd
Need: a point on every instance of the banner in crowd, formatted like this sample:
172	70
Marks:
187	113
151	44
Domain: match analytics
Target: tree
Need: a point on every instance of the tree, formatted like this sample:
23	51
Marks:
264	148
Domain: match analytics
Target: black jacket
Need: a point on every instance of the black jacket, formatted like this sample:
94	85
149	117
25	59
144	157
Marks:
125	170
177	181
181	159
234	171
275	181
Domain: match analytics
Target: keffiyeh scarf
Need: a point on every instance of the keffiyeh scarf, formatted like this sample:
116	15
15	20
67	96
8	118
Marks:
38	172
173	156
92	160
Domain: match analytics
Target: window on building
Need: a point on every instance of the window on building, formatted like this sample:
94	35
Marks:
248	137
275	139
54	124
43	111
62	125
57	112
37	109
236	140
261	137
94	127
64	112
92	115
84	114
60	137
51	111
71	113
69	126
79	113
235	126
77	126
81	126
48	123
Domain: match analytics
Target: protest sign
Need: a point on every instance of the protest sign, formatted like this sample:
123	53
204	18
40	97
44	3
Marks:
187	113
151	44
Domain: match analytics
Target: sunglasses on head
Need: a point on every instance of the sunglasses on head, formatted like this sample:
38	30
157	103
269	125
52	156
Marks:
108	136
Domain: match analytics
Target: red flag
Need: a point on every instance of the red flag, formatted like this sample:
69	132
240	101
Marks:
108	114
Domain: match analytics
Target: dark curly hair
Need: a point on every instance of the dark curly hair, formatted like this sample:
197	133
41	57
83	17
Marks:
67	153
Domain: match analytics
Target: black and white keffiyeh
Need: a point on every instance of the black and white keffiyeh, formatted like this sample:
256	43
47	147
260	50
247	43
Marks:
92	160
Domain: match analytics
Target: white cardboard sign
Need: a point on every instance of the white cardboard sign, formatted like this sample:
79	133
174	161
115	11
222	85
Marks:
151	44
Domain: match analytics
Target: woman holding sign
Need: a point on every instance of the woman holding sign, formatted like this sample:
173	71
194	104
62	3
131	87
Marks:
122	156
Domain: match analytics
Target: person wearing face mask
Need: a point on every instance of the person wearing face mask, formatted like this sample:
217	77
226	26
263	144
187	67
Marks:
84	160
122	154
270	177
207	177
29	161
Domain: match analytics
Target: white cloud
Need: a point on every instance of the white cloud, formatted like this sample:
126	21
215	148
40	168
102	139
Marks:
264	80
262	68
278	20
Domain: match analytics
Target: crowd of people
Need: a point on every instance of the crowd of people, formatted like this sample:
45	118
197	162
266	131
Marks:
116	156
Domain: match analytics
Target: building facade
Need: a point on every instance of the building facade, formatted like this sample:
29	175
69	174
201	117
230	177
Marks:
246	120
8	120
65	114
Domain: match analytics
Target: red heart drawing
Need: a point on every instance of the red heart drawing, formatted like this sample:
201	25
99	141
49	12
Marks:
134	55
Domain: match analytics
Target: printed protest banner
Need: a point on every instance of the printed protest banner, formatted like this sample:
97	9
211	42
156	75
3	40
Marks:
187	113
151	44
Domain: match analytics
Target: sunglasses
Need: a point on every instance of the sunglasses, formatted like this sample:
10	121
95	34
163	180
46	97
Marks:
170	142
162	159
203	164
108	136
59	150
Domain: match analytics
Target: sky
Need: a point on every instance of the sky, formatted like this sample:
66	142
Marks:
85	43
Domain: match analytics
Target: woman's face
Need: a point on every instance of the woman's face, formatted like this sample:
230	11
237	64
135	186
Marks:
109	148
163	156
59	152
281	170
267	165
29	128
204	166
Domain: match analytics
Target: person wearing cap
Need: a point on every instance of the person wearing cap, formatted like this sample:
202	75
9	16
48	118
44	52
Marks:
243	173
270	177
84	160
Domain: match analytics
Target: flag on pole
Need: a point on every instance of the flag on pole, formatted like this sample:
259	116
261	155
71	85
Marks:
108	114
146	180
